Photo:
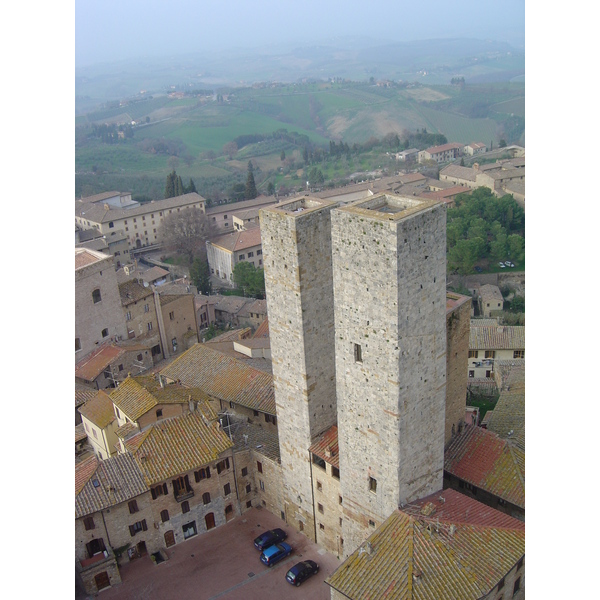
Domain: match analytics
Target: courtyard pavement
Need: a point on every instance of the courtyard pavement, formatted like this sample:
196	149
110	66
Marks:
223	563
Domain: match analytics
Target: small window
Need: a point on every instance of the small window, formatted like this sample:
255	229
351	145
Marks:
88	523
105	332
137	527
490	353
520	564
321	527
164	515
335	472
517	586
357	353
241	257
96	297
248	488
139	357
77	344
471	374
371	523
150	326
249	504
228	509
133	507
172	315
120	367
340	499
300	526
206	498
372	484
146	308
259	466
110	224
317	460
319	486
222	466
250	254
244	471
341	521
159	413
519	354
185	507
473	353
226	489
320	507
501	584
262	485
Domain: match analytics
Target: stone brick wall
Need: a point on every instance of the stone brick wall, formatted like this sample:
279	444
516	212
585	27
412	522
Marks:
457	353
327	494
390	348
296	239
92	318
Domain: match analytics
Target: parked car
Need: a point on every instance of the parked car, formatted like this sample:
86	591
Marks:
301	572
273	554
478	269
508	263
268	538
502	265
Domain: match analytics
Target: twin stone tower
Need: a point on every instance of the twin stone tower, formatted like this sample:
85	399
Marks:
357	319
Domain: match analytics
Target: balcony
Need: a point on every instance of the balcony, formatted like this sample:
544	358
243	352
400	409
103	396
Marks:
97	558
183	495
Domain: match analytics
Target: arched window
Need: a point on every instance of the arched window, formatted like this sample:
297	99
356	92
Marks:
206	498
164	515
96	297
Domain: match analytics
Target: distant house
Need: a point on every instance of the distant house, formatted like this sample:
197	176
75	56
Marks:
489	344
226	251
155	276
474	148
443	153
407	155
490	300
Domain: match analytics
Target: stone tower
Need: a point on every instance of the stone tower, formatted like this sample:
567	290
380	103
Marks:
296	242
389	279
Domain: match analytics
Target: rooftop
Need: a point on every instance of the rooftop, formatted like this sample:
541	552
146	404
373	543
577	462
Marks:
99	410
501	337
326	447
238	240
430	550
302	204
102	484
90	367
491	293
175	446
444	148
223	377
132	291
453	301
483	459
85	257
389	207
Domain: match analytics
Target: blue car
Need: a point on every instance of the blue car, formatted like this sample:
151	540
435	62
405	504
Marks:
273	554
268	538
301	571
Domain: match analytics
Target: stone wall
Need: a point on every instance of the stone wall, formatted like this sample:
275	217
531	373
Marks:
327	495
296	239
390	347
457	352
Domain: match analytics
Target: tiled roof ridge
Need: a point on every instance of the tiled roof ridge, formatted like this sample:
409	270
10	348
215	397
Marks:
511	450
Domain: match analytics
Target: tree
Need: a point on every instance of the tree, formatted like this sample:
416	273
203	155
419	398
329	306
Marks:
502	144
174	186
230	149
270	189
200	274
250	191
282	155
249	279
191	188
186	232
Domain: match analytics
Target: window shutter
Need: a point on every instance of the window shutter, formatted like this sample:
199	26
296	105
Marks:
218	468
197	476
207	472
165	489
144	526
131	530
153	493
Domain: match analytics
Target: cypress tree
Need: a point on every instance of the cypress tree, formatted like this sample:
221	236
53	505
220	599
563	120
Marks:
250	191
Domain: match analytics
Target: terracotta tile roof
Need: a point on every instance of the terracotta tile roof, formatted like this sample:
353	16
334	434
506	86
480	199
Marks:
112	481
508	417
255	306
490	293
326	447
509	371
126	430
484	322
497	338
453	301
85	257
223	377
132	291
262	440
483	459
263	329
238	240
80	433
135	396
154	274
443	148
466	173
83	471
448	194
260	201
177	445
429	558
99	410
97	213
95	363
99	197
82	395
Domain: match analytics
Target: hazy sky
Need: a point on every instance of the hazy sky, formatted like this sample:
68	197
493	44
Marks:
107	30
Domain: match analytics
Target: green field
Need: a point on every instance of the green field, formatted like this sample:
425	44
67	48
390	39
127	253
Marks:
181	133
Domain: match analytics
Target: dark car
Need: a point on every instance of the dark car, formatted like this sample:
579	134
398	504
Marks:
478	269
273	554
268	538
301	571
